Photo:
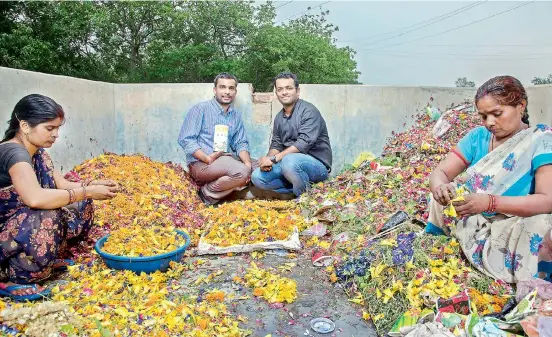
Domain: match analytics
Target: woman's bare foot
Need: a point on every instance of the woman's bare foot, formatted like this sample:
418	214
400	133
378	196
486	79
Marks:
23	291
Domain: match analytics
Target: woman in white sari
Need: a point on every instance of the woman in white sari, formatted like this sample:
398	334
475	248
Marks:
504	223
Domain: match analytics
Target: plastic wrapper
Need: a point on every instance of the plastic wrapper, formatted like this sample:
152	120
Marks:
395	220
511	304
544	288
319	230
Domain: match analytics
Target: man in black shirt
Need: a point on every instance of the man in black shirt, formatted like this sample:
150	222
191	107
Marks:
300	151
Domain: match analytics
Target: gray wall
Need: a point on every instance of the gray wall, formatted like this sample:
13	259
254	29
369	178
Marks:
540	104
149	116
89	127
146	118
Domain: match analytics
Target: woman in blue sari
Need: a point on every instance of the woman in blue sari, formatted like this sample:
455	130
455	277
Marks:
503	223
39	209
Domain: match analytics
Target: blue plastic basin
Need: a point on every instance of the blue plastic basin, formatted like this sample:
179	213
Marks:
146	264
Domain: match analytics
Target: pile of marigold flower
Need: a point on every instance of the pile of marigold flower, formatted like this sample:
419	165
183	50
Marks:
143	241
150	191
270	286
125	303
487	303
248	222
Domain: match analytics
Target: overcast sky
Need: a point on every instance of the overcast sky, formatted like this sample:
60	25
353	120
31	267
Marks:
518	42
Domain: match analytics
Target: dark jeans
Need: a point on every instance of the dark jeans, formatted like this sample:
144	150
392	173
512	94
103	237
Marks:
294	174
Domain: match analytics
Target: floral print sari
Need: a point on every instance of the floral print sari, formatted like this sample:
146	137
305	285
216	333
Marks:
503	246
31	239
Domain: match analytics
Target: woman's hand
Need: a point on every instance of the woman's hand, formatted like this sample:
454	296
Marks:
109	183
472	204
444	193
101	192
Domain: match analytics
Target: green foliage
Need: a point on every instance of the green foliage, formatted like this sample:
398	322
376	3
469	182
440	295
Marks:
542	80
463	82
176	41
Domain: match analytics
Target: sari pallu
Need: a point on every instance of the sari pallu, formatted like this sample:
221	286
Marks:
503	246
31	239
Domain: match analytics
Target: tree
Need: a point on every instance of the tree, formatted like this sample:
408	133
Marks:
170	41
304	46
209	37
463	82
125	30
542	80
48	37
314	59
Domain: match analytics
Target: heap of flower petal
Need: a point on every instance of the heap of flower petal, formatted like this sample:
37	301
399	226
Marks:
137	240
270	286
247	222
150	190
127	304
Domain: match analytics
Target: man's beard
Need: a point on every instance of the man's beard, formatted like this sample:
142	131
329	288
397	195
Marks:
223	103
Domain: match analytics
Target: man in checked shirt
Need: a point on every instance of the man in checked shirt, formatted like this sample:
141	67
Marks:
216	169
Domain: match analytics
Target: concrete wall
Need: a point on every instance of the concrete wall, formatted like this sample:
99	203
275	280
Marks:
361	117
89	127
540	104
146	118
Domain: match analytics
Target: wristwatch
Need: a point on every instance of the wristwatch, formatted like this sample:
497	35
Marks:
273	159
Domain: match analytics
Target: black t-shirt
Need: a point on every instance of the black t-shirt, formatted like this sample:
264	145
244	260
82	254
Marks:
11	154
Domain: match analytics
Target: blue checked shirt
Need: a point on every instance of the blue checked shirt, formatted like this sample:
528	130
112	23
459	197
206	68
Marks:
198	129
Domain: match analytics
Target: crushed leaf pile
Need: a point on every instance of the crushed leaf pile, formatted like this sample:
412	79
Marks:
252	221
42	319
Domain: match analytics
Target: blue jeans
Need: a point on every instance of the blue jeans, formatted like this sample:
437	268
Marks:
294	174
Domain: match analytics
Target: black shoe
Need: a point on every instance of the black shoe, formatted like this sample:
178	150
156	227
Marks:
204	198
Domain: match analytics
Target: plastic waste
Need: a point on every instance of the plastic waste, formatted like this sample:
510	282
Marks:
395	220
433	112
363	157
341	237
318	229
321	258
322	325
441	127
511	304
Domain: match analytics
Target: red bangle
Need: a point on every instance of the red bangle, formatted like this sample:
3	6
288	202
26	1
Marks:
494	203
72	198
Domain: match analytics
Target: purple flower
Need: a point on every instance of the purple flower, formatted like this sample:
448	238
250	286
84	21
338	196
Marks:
404	251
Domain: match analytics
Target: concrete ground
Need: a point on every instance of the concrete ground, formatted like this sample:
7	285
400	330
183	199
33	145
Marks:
316	297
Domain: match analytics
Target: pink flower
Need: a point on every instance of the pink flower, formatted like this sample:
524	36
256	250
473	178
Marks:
47	223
